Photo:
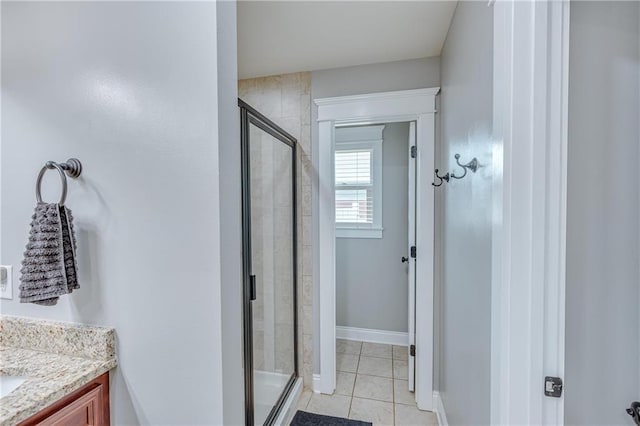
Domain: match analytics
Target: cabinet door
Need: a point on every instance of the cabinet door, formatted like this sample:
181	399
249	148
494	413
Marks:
84	411
87	406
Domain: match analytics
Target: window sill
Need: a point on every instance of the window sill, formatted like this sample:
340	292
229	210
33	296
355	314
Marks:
358	232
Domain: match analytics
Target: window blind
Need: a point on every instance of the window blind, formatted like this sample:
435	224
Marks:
354	186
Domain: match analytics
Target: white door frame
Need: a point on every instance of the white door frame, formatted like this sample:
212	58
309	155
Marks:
406	105
530	192
411	240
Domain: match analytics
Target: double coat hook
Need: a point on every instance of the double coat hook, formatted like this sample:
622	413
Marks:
471	165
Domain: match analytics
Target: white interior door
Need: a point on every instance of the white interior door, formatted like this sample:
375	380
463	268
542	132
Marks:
411	365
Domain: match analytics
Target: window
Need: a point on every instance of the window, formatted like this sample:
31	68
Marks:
358	182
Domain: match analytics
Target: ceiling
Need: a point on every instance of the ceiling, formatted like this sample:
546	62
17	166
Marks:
277	37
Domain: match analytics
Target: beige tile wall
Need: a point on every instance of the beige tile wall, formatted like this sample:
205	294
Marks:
286	100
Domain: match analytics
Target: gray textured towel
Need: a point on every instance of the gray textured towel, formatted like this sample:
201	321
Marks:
49	268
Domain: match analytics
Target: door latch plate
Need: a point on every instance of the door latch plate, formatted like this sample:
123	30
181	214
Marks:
553	386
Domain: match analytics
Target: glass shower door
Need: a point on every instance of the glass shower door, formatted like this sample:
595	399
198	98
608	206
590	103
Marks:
269	224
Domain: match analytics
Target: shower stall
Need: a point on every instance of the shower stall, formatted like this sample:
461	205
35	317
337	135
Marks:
269	265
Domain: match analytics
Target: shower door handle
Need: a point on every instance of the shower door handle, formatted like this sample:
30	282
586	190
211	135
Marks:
252	287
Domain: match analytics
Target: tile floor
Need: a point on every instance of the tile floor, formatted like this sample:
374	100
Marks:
371	386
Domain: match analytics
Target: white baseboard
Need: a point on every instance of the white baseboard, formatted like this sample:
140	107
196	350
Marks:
439	408
372	336
316	383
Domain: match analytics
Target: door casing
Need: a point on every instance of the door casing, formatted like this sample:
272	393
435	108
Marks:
530	117
387	107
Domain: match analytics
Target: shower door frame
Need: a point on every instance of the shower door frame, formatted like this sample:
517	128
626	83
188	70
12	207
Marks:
248	116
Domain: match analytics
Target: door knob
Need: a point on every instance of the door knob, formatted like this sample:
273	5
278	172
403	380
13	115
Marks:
405	259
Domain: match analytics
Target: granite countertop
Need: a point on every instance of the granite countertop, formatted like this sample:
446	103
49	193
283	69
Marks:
55	358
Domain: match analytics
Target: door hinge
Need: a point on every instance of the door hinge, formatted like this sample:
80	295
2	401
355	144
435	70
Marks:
252	287
412	350
553	386
413	251
414	151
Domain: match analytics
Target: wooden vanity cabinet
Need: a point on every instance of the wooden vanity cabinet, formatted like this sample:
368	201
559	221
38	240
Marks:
88	406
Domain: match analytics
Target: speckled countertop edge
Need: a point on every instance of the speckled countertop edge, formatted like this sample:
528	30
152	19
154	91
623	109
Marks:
51	376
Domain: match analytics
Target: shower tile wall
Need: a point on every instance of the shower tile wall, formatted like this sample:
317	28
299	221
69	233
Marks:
286	100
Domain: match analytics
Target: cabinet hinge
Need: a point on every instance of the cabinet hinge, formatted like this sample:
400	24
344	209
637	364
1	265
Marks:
413	251
412	350
414	151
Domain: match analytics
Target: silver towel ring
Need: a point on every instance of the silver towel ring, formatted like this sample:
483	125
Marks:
72	167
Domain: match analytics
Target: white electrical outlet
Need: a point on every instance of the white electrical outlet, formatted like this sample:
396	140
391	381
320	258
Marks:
6	282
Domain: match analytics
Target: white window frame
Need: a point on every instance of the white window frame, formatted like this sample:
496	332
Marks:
360	138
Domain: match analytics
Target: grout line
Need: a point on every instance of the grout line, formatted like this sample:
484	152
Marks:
393	388
354	382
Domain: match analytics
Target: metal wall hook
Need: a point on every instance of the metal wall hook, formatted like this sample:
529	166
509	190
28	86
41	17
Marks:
442	178
634	412
471	165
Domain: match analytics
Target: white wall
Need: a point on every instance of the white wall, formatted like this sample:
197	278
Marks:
464	208
230	214
131	90
603	214
371	281
390	76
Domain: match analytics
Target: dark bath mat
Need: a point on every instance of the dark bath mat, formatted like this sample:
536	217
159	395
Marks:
302	418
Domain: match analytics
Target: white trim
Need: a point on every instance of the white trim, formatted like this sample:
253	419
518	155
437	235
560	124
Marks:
439	409
411	241
530	130
380	96
326	259
316	383
397	338
382	107
406	105
290	405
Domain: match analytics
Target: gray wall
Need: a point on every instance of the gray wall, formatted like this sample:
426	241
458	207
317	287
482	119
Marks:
400	75
371	282
603	214
132	92
464	209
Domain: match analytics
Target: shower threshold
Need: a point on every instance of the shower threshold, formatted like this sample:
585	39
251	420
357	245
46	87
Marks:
268	386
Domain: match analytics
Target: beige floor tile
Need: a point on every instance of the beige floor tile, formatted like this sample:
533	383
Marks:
377	412
401	394
344	383
348	347
347	362
329	405
372	387
303	401
400	369
407	415
376	349
375	366
400	352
